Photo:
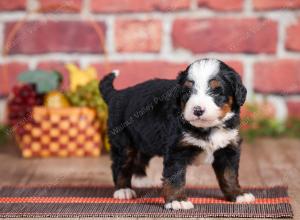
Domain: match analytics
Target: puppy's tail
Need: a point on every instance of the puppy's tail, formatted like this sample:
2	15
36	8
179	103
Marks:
106	86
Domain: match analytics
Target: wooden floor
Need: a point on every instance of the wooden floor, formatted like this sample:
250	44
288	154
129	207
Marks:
266	162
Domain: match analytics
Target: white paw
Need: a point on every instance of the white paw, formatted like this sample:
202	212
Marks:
177	205
143	182
124	194
245	198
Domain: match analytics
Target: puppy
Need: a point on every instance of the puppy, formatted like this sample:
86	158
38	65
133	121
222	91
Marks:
196	114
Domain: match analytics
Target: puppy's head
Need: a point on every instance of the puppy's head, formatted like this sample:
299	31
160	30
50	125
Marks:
211	93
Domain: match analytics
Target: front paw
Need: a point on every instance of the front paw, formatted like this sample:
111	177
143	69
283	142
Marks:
178	205
245	198
125	194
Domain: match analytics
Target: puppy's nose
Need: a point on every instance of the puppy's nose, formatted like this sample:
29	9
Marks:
198	111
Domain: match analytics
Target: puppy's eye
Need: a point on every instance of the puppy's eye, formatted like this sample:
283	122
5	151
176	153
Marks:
217	91
188	84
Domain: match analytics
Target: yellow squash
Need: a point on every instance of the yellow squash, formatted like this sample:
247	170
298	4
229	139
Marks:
80	77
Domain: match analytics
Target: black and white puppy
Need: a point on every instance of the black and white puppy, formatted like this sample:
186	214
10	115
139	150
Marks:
196	114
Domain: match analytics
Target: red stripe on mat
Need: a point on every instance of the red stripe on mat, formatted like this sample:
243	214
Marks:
133	201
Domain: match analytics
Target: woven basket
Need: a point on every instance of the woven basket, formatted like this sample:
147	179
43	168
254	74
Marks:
57	132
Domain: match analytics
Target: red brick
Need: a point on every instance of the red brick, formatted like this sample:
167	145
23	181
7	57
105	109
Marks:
279	76
59	67
236	65
9	74
107	6
61	6
292	37
134	72
276	4
227	35
222	5
293	108
138	36
9	5
52	36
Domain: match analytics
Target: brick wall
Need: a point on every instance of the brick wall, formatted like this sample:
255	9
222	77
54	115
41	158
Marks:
157	38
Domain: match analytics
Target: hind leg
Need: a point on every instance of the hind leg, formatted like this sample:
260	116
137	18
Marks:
140	164
122	169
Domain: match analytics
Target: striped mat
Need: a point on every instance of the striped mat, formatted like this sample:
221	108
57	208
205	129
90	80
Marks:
96	201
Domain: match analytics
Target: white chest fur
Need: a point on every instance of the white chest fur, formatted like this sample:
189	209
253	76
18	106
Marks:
219	138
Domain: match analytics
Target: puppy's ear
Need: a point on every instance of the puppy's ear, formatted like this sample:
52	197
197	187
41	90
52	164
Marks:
240	92
181	78
237	87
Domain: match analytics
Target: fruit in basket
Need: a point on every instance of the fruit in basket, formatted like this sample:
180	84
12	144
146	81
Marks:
80	77
44	81
56	99
89	96
21	103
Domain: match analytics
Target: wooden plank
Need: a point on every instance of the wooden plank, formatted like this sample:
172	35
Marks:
249	174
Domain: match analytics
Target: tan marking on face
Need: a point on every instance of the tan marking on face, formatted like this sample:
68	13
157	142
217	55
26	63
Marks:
214	84
226	108
188	84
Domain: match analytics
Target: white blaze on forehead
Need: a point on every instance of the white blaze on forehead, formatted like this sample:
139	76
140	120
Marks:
202	71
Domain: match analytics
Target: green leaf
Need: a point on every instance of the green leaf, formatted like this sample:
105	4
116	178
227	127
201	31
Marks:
4	134
44	81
